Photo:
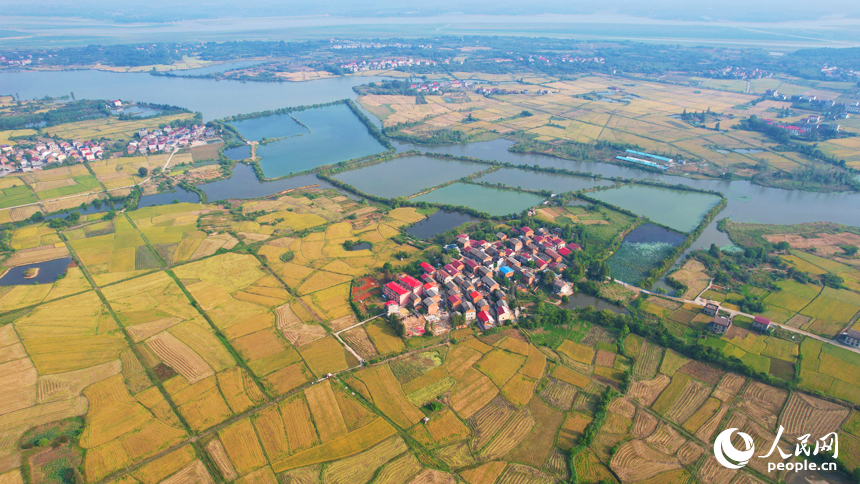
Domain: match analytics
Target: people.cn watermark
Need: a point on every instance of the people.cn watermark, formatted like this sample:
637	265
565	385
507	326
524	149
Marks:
731	457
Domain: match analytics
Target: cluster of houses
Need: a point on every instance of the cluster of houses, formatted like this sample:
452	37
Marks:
441	86
734	72
834	110
27	159
373	65
468	285
22	61
168	139
35	157
352	44
721	322
807	126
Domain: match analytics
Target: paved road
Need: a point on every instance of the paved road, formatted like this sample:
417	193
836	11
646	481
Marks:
700	301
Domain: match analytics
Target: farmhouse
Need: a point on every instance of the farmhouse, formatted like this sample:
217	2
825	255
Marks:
395	292
561	288
711	309
761	324
851	338
720	324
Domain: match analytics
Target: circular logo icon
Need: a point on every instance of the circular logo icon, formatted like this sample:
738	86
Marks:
724	450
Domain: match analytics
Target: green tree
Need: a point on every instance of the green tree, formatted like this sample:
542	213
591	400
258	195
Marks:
142	171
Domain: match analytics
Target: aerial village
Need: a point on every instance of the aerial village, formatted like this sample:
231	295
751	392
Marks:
467	290
26	158
467	285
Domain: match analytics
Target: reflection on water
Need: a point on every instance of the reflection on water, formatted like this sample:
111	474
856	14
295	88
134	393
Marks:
439	222
179	195
48	272
238	153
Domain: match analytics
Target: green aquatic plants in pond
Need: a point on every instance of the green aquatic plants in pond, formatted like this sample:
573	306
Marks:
642	250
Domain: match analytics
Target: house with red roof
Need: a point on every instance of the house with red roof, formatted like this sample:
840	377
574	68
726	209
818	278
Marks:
485	320
527	231
395	292
412	284
427	268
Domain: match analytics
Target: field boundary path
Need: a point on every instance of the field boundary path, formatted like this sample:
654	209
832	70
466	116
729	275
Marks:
77	195
193	439
701	302
349	348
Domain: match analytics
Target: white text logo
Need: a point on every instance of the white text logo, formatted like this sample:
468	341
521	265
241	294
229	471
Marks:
724	450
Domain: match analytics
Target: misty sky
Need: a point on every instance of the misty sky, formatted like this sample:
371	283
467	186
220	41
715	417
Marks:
162	10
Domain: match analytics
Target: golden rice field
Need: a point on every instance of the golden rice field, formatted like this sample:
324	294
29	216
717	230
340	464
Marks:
231	350
644	117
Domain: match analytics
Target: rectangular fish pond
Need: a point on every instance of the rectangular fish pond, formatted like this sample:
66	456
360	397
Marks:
334	134
641	251
677	209
493	201
408	175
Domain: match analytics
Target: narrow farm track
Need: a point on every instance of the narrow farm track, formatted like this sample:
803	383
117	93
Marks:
349	348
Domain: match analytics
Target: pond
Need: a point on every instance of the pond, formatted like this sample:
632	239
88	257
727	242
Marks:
89	209
336	134
438	222
48	272
180	196
238	153
678	209
139	111
641	251
408	175
244	184
535	180
579	300
274	126
361	246
493	201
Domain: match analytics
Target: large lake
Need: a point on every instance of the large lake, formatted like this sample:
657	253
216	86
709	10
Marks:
406	176
215	99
